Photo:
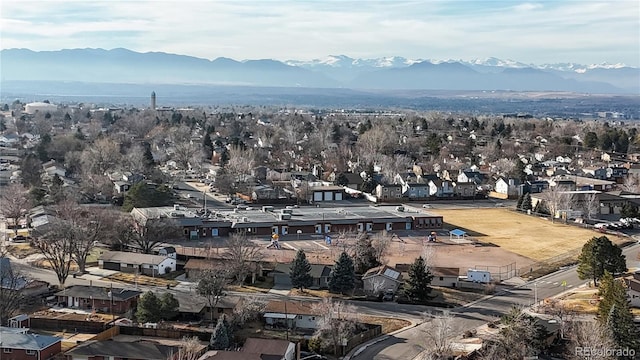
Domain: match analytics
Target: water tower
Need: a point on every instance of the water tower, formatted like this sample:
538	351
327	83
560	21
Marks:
153	100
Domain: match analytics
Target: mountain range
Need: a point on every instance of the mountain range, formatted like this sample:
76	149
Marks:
340	71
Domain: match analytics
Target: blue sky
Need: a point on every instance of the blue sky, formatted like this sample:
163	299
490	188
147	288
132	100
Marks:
584	31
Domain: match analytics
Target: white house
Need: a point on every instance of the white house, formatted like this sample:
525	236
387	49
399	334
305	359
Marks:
295	314
32	108
380	279
137	263
480	276
441	188
509	187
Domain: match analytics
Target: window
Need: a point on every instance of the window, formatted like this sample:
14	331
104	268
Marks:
300	317
186	231
313	318
30	352
318	229
441	278
7	351
220	310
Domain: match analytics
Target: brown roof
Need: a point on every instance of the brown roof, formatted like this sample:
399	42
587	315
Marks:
202	264
634	285
265	346
445	271
293	307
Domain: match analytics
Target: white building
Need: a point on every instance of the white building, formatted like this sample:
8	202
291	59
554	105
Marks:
294	314
34	107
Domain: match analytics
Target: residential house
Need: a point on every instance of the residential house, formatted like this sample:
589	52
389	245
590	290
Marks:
451	175
319	273
445	276
104	299
611	203
473	176
595	172
534	187
350	180
257	349
168	251
134	350
441	188
464	189
633	289
196	307
291	314
18	344
388	192
509	187
121	186
617	173
415	191
380	279
144	264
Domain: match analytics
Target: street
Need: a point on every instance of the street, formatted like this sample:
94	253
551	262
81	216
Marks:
408	344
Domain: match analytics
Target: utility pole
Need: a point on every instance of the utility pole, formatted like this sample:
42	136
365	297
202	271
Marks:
286	318
535	293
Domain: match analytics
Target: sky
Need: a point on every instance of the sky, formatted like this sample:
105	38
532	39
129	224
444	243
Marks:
584	32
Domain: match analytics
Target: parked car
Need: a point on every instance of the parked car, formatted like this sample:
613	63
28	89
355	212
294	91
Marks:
389	295
19	238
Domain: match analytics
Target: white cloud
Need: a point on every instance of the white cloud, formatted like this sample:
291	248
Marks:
587	32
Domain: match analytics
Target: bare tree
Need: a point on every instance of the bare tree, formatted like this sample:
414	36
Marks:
591	205
243	256
11	284
428	254
590	335
439	336
632	183
152	233
184	148
251	309
561	312
556	198
211	286
338	322
189	349
104	155
56	241
93	225
15	203
380	244
517	339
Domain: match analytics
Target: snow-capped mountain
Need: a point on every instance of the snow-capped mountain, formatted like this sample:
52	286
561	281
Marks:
335	71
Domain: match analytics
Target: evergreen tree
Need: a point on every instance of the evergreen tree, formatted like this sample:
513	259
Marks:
342	277
614	312
418	288
519	203
599	255
149	308
300	272
365	255
207	144
219	338
148	156
169	306
526	202
228	327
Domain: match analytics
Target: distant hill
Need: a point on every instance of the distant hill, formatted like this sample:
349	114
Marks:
340	71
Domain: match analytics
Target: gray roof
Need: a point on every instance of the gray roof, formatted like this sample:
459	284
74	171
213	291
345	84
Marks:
98	293
144	350
13	340
131	258
317	270
193	303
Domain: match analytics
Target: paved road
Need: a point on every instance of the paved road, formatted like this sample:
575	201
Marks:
408	344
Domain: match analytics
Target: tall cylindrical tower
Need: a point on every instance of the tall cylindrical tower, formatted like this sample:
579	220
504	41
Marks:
153	100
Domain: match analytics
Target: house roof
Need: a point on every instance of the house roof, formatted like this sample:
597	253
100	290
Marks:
13	340
353	178
634	285
445	271
229	355
131	258
99	293
292	307
204	264
145	350
266	346
193	303
317	270
385	271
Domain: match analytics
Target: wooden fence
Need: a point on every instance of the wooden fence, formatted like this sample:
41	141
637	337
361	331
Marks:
108	334
164	333
374	331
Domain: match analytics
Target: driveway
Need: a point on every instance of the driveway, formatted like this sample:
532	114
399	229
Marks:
283	290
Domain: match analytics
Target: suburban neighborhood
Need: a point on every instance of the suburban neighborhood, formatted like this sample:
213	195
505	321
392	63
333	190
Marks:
165	233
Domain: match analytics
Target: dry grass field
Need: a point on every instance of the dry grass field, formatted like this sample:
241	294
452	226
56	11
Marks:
522	234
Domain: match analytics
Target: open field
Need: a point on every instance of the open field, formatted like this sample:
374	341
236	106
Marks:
522	234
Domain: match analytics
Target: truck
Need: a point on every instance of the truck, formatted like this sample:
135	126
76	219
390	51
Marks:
479	276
